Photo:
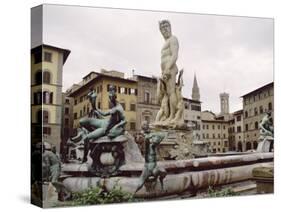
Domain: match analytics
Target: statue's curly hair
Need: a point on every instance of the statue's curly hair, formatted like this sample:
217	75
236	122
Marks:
164	22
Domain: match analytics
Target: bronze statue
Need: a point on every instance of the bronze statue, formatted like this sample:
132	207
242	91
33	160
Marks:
52	170
97	126
151	170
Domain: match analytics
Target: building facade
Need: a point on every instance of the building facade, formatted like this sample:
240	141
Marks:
215	131
126	95
255	104
46	92
147	105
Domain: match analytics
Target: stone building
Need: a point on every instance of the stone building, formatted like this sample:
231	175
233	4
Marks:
46	93
192	114
255	104
215	131
147	105
67	117
237	132
126	94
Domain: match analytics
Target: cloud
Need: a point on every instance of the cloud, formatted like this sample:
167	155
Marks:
231	54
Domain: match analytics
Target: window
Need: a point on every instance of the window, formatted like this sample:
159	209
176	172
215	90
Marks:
132	91
203	127
66	110
43	117
133	125
219	136
269	106
81	98
81	113
38	57
239	129
224	127
207	135
133	107
196	107
75	115
261	109
219	126
67	101
223	135
47	130
47	56
203	136
246	114
186	106
256	111
246	127
256	125
214	136
38	77
37	98
122	90
238	118
84	110
47	97
213	127
146	97
46	77
66	121
207	126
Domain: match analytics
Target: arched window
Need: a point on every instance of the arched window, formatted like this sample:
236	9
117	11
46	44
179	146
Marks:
47	97
43	116
256	111
261	109
255	144
146	97
37	98
46	77
38	77
256	125
269	106
248	146
239	147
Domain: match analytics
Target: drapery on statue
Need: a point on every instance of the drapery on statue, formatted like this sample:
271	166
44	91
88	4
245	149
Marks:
168	91
151	170
96	126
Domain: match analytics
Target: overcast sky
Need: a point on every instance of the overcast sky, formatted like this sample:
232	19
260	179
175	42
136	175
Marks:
228	54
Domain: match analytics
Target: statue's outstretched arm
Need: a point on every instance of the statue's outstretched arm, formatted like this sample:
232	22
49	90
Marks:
103	113
158	137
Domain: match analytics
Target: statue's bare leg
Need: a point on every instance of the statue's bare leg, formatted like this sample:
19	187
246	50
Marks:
97	133
143	178
171	89
161	173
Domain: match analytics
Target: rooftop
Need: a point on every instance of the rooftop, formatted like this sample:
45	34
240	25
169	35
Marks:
65	52
258	89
